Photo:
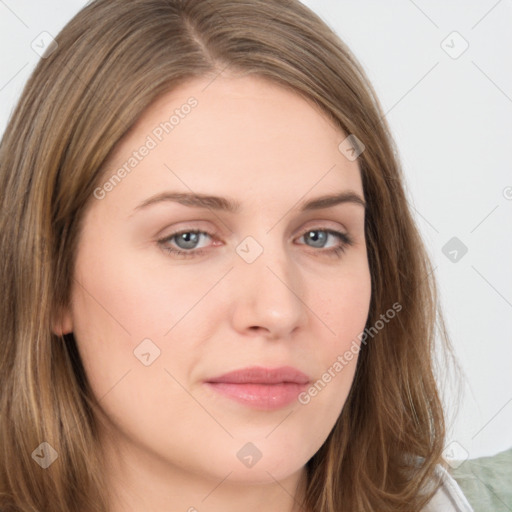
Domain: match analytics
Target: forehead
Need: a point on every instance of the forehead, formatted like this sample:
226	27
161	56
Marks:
237	135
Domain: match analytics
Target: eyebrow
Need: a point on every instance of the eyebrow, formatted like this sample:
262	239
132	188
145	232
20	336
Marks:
228	205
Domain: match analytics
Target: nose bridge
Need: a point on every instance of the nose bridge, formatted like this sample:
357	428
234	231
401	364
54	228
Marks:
267	285
265	261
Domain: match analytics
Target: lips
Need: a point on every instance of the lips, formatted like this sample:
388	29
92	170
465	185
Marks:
260	375
259	387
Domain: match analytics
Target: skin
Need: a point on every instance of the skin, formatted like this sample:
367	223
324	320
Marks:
171	443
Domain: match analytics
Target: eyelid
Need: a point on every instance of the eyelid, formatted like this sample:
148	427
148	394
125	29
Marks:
323	224
204	227
215	233
346	240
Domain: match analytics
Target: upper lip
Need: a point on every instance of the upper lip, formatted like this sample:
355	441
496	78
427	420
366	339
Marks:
261	375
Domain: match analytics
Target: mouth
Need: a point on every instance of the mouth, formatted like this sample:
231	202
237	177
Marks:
261	388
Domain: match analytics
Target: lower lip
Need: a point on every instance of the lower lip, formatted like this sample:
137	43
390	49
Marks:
265	397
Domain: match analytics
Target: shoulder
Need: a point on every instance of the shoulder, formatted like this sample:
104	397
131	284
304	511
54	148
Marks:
449	497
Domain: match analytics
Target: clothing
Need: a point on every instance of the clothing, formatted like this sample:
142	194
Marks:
449	497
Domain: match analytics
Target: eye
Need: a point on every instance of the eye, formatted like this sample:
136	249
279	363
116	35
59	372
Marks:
187	240
319	236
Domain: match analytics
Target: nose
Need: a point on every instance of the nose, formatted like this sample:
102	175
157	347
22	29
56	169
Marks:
268	296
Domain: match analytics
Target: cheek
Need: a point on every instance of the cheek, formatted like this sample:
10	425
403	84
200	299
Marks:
128	295
120	300
343	307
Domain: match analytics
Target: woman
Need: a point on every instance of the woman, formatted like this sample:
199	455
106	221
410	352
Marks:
215	296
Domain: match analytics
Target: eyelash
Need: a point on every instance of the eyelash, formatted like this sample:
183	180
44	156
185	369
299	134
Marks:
337	252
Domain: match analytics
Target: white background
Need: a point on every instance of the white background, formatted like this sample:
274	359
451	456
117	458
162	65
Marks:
452	120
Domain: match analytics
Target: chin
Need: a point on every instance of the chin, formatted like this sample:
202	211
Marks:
264	474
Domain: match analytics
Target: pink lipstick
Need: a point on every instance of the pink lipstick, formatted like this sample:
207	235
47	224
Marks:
261	388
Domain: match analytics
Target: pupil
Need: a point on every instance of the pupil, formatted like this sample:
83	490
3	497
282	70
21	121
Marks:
317	238
189	238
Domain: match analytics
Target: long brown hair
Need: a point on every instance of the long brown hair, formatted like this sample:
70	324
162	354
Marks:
112	61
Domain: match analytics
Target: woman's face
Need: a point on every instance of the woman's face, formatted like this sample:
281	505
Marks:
266	283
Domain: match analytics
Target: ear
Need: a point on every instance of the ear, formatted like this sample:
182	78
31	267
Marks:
62	323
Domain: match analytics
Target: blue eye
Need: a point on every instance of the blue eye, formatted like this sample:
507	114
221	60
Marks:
338	250
186	242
